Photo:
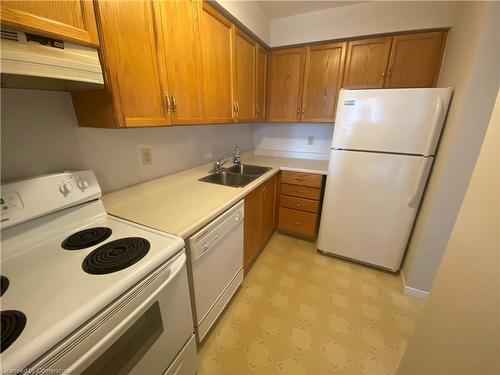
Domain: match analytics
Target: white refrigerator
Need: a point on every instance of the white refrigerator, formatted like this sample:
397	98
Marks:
383	148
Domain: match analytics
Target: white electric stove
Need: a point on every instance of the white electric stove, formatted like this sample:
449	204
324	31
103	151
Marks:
86	292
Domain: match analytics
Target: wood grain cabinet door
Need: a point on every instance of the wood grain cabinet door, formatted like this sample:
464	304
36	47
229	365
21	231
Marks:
130	53
285	93
217	36
322	81
72	20
366	63
262	64
244	80
181	35
415	60
252	231
268	208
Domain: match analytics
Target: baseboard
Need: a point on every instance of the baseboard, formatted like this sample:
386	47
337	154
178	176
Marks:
408	290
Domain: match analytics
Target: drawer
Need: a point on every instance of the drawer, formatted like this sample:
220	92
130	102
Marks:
299	222
304	179
301	191
299	204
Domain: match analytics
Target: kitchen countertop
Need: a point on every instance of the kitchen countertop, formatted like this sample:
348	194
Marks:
179	204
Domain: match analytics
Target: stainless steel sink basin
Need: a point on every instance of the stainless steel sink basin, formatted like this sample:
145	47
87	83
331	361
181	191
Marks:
238	175
228	179
249	170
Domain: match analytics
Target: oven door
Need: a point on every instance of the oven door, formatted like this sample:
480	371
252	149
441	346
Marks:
140	333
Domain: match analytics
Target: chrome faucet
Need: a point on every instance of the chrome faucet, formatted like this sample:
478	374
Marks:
224	159
219	163
236	155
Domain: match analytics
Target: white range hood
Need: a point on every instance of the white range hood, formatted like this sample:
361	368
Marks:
35	62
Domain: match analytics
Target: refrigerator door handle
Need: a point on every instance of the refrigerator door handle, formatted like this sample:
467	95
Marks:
434	126
421	178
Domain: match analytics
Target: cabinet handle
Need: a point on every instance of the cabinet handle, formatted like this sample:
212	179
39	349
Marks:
298	205
167	98
382	74
174	104
234	109
238	107
257	108
298	110
302	110
300	179
296	223
389	72
299	191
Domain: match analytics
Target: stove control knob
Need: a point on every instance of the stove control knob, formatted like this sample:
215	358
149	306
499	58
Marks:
83	184
66	188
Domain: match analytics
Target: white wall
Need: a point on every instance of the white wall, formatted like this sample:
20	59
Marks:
251	15
362	19
459	330
472	67
291	140
40	135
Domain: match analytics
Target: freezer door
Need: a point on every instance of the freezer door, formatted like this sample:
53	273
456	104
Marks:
370	204
405	121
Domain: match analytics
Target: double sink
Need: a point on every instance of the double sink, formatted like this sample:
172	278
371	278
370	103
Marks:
239	175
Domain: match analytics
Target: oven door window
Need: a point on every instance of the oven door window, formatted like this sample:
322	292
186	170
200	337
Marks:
127	351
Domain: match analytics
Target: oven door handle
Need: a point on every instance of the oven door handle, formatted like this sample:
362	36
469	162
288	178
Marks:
91	355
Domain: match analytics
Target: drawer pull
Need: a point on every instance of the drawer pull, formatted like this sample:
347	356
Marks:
298	205
299	191
296	223
300	179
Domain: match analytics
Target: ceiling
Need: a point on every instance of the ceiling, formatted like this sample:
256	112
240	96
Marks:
280	9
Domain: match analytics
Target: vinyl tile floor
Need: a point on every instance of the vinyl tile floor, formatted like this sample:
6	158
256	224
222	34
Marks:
302	312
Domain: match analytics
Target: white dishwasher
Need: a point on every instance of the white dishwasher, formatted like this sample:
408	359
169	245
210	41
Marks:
216	272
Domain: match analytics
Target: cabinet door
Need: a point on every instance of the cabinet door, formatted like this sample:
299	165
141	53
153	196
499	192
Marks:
268	208
217	36
322	82
285	94
252	226
130	55
366	63
415	60
261	84
180	24
71	20
244	80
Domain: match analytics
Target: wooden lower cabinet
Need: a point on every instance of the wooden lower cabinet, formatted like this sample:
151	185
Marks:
299	222
300	191
259	225
299	203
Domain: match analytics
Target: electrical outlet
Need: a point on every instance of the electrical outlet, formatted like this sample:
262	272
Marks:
147	157
310	140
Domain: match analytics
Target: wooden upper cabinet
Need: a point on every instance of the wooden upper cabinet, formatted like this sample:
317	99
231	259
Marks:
415	60
322	81
71	20
366	63
130	54
181	36
262	65
244	80
285	92
217	36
